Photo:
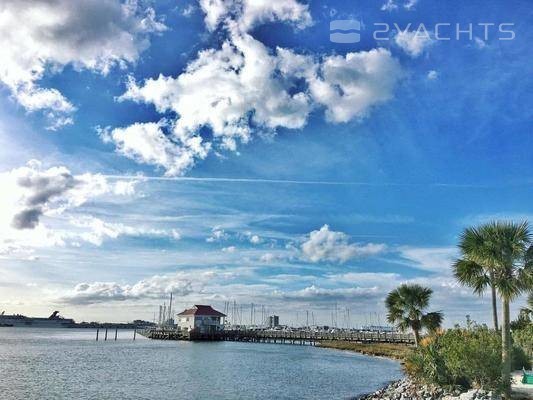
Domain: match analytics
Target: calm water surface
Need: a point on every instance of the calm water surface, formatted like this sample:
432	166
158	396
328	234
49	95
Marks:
70	364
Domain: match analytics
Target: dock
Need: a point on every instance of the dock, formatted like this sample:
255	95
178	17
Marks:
300	337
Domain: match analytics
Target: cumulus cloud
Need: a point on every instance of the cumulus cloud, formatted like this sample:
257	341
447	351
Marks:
327	245
149	143
350	85
32	192
151	288
413	42
42	36
185	283
243	88
252	12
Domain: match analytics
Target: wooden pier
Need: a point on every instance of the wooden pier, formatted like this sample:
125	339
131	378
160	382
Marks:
301	337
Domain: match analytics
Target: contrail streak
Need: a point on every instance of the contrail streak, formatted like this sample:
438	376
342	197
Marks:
288	181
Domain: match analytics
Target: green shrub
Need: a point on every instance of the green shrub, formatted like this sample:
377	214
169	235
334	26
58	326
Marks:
524	339
520	359
427	364
464	357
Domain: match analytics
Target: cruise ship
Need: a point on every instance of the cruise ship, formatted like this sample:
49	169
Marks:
53	321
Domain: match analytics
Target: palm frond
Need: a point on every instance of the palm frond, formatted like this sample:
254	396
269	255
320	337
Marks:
432	321
469	273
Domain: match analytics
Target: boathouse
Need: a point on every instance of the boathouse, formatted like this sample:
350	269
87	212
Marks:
201	319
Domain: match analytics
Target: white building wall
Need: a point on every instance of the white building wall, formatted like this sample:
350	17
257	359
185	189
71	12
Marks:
201	323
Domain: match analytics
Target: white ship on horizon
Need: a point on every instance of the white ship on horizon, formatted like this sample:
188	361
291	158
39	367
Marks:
19	320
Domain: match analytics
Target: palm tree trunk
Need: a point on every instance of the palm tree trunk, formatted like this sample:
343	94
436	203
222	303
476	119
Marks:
417	337
494	307
506	350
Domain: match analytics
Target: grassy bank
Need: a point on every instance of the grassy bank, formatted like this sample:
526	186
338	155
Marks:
389	350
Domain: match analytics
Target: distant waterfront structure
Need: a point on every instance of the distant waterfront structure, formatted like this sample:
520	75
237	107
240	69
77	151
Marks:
166	318
53	321
273	321
201	319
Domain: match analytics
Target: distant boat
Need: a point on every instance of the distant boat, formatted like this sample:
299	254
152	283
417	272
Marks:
18	320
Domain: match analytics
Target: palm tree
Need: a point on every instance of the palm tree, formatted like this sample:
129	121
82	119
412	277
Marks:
508	251
478	275
406	305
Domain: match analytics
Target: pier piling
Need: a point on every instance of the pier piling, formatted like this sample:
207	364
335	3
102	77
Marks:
105	337
116	332
97	331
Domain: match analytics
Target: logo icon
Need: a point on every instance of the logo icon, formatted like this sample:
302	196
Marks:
345	31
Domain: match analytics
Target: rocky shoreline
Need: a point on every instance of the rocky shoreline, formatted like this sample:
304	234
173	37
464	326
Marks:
405	389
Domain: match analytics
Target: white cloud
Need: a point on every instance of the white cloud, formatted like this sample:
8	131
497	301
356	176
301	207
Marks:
319	294
268	257
31	193
413	42
352	84
95	231
248	13
254	239
391	5
149	143
367	278
229	249
432	75
217	235
244	87
327	245
188	10
410	4
188	284
434	259
39	37
230	91
154	287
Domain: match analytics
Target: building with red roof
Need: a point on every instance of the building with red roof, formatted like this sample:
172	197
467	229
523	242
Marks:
201	319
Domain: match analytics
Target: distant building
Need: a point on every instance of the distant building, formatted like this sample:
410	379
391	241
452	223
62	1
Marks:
201	319
273	321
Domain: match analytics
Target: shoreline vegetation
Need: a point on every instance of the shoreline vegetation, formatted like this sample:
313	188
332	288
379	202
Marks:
398	352
472	362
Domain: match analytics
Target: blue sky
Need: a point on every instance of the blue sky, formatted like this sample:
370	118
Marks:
229	151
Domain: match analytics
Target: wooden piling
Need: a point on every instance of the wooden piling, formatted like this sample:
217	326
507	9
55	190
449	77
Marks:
97	331
116	332
134	333
105	338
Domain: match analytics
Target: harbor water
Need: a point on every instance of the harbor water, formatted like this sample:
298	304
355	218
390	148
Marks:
70	364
